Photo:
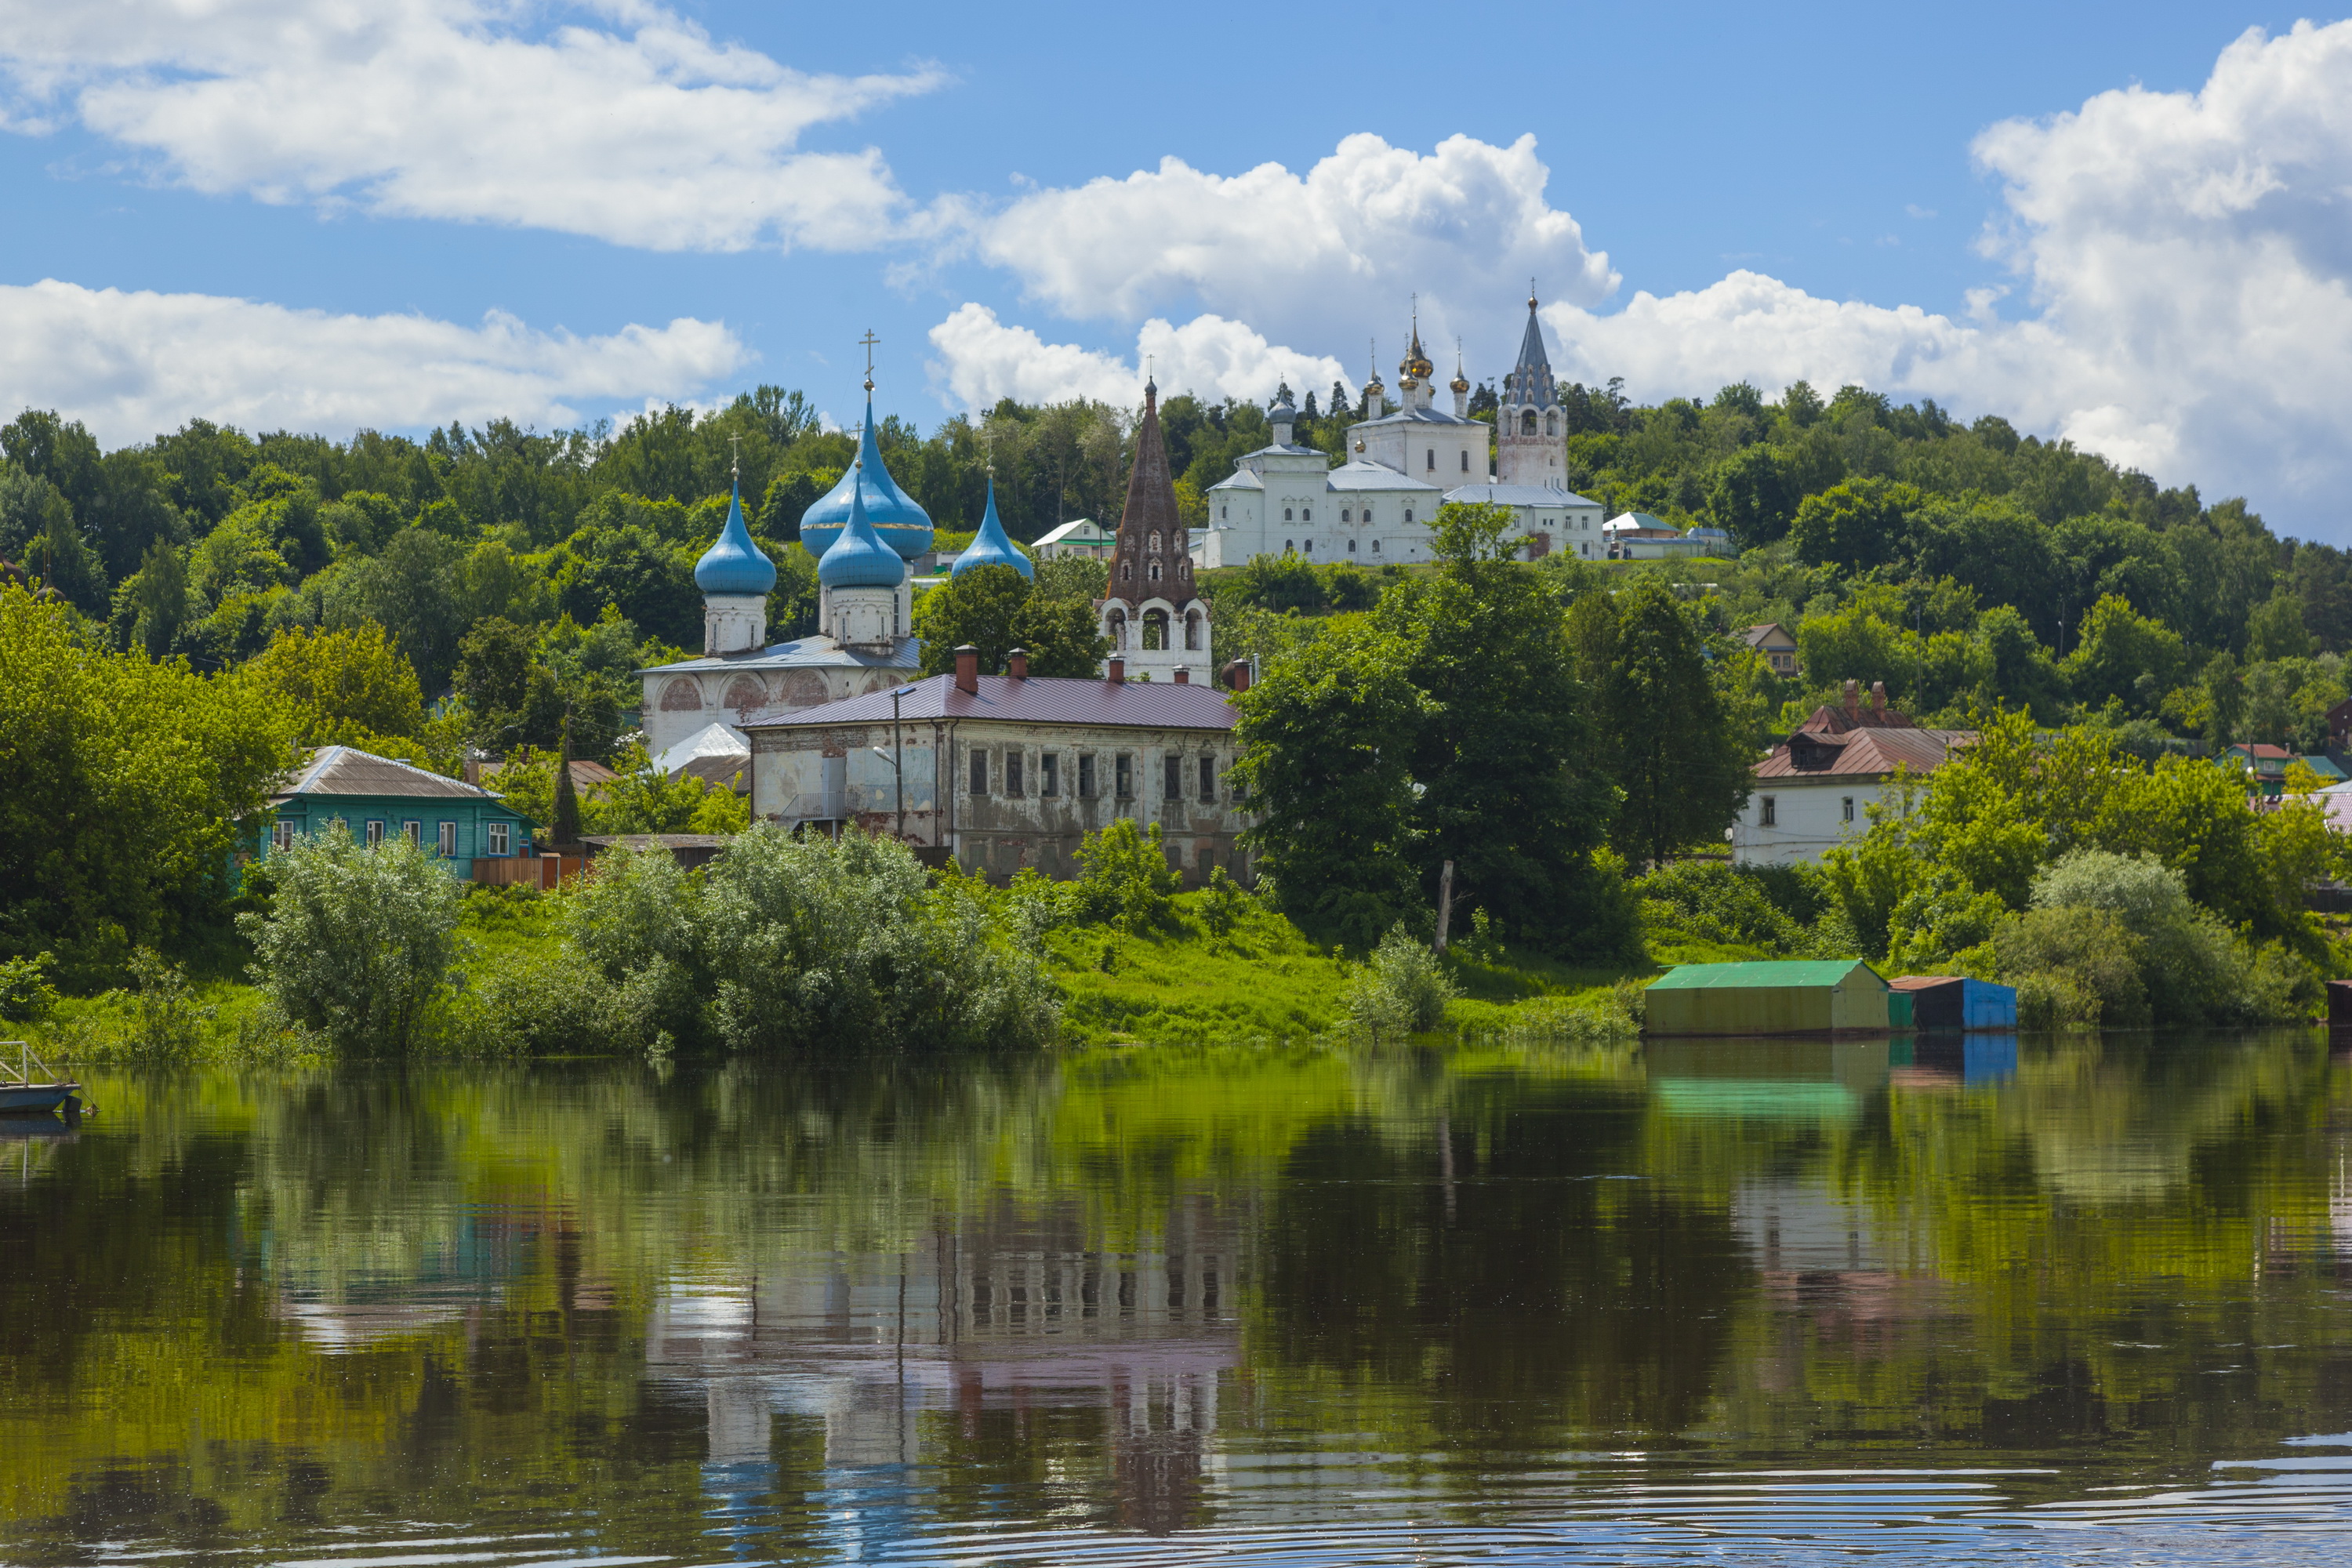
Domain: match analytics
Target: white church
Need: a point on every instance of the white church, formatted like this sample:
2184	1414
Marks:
1377	507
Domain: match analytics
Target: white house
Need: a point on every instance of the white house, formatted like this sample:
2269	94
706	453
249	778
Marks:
1815	791
1079	536
1376	507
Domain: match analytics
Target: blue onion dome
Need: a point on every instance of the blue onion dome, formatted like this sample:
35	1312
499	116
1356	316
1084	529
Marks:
895	517
858	558
735	564
992	546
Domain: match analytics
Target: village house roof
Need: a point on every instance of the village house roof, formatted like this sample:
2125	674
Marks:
1039	700
585	775
347	771
1858	740
1077	531
1767	632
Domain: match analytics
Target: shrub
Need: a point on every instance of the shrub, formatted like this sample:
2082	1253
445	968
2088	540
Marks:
1714	901
166	1023
2074	969
1222	902
1402	989
358	941
26	995
1124	878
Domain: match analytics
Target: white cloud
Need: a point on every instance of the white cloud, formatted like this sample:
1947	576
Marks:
641	132
2189	268
983	360
1323	256
133	364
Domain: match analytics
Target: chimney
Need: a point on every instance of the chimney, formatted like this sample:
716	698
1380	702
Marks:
1878	698
1184	675
1115	670
473	767
968	670
1016	664
1853	695
1237	675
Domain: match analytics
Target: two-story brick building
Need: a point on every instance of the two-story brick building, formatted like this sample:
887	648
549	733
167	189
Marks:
1012	771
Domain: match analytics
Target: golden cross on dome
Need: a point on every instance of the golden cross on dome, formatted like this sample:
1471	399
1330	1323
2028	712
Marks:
737	470
870	340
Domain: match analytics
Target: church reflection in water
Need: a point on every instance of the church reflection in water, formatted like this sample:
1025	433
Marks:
897	1362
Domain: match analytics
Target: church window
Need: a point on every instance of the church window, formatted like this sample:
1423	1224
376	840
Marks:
1352	547
1527	423
1431	465
1155	571
1465	459
979	772
1408	515
1286	515
1155	542
1551	423
1308	548
1307	514
1127	570
1193	632
1171	777
1223	512
1290	547
1376	547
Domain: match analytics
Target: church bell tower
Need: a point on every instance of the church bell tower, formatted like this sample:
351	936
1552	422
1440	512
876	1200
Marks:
1530	426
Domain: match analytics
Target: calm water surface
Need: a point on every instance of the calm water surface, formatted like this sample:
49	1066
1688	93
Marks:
1751	1302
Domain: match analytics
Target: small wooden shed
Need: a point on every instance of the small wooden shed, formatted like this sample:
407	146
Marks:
1956	1002
1812	997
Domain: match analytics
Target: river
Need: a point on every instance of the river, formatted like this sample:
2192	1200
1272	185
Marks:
2073	1301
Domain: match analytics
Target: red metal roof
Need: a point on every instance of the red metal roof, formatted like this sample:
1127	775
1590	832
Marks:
1865	754
1040	700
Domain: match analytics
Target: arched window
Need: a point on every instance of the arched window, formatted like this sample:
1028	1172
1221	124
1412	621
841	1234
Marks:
1308	549
1527	423
1290	547
1193	632
1155	542
1307	514
1285	514
1465	459
1408	515
1376	547
1119	628
1352	547
1155	630
1431	465
1127	570
1343	514
1155	571
1551	423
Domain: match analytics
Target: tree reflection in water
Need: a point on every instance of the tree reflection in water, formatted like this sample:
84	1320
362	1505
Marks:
830	1311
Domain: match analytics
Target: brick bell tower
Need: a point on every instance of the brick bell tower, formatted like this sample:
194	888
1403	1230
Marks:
1154	618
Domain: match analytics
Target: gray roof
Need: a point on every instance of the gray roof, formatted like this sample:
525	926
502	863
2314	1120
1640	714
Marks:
1040	700
346	771
1239	479
819	652
1517	495
1363	475
1430	416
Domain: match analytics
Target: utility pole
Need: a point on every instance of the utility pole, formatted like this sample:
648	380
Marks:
897	757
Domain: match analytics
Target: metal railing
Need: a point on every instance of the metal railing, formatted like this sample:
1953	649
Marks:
22	1072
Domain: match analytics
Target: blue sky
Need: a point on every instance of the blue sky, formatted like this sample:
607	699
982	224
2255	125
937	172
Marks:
1780	183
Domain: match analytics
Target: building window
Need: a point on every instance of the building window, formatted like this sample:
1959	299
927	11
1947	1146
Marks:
1527	423
1208	780
375	832
1012	773
1767	815
1086	775
1551	423
1290	547
1408	515
1431	465
1155	571
1286	515
1124	776
446	845
1049	775
1127	570
1308	548
497	835
1223	512
1343	515
1307	514
1376	547
1465	459
281	836
1171	777
1352	547
979	772
413	832
1849	808
1155	542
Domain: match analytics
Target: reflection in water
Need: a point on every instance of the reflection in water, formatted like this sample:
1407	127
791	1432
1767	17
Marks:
1772	1299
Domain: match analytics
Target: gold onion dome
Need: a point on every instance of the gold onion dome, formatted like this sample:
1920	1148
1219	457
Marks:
1416	367
1460	382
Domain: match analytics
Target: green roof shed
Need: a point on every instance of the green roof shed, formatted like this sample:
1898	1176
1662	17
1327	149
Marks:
1813	996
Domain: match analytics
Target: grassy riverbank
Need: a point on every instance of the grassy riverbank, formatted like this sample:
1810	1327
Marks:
1260	981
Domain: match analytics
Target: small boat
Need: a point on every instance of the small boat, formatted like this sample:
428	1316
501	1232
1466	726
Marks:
21	1093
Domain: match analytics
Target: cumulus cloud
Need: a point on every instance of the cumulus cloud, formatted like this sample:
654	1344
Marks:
1322	257
982	360
2187	274
131	364
639	131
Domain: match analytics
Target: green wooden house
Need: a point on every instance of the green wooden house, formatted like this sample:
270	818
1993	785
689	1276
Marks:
1832	996
465	827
